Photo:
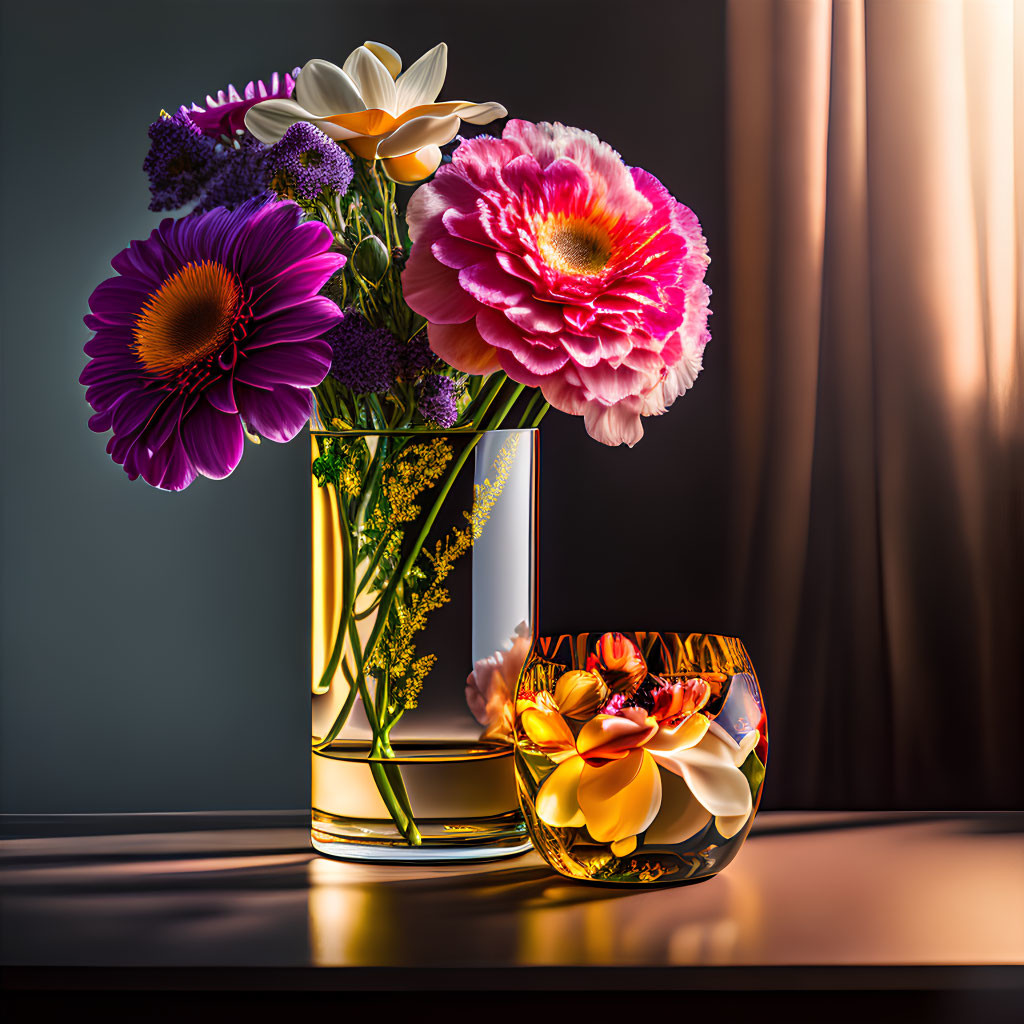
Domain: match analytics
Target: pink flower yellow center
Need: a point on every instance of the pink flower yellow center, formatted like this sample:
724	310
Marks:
189	317
573	245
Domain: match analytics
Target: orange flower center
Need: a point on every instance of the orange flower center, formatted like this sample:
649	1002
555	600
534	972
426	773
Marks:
188	318
574	246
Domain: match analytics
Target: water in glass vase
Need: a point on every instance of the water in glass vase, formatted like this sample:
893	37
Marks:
423	608
462	797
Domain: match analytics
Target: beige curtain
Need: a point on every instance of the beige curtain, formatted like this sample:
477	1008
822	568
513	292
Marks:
876	189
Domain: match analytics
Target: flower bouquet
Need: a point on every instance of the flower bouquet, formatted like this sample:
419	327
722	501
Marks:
422	333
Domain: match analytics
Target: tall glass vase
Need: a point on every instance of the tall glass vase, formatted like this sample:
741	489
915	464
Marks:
423	610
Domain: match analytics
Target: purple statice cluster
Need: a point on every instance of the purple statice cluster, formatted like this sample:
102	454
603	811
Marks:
185	165
240	173
180	161
364	357
371	360
306	164
415	358
436	399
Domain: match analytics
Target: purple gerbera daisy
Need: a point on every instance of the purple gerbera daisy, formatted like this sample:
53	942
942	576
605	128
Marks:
213	320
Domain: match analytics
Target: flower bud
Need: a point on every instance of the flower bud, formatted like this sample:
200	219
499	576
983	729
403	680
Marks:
580	693
372	259
622	665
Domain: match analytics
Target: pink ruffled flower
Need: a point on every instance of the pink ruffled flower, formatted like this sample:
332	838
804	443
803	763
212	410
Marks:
491	686
543	255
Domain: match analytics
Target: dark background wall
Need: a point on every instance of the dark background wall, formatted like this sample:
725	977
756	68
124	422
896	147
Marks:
154	646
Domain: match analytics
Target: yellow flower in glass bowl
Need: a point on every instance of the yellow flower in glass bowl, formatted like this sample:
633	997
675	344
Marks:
375	110
609	783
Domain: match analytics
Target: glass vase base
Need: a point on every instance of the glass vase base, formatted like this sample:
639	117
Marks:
462	795
442	842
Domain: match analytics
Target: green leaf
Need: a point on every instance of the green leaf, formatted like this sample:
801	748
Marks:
754	771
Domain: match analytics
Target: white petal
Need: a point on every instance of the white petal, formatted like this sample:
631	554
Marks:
422	82
374	81
737	751
482	113
679	379
269	120
746	745
388	57
323	89
714	780
681	815
417	133
729	824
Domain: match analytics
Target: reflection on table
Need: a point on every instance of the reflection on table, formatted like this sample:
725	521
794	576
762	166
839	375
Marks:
807	889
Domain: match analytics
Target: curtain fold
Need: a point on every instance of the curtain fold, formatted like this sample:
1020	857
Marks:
876	360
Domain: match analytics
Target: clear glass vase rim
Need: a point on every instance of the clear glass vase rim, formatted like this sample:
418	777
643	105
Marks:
452	431
541	638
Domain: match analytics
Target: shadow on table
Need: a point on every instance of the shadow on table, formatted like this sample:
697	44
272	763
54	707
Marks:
262	896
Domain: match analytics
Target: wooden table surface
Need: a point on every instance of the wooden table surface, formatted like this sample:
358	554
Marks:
809	890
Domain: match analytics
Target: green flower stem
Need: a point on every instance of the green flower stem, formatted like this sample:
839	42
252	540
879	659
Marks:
395	796
387	777
477	409
381	697
387	598
371	484
348	586
534	399
380	416
535	422
347	596
384	782
346	709
499	417
391	717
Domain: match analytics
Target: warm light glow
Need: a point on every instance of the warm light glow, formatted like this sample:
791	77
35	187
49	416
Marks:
989	58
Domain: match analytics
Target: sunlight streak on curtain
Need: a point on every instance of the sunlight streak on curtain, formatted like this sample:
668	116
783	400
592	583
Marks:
874	296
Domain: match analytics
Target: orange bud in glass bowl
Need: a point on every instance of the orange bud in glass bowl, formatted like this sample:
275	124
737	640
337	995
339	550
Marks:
619	661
